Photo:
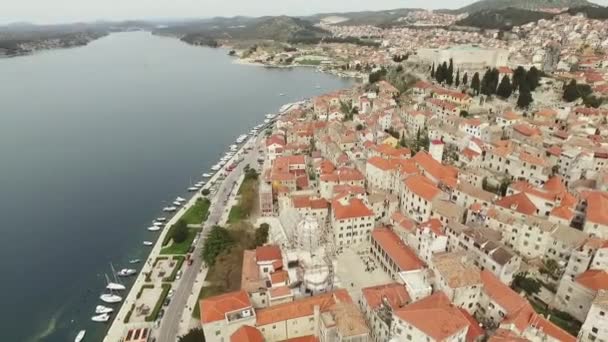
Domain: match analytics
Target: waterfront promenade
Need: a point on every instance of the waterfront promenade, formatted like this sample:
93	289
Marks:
187	287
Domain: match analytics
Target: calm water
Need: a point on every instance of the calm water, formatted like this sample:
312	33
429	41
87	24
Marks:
93	140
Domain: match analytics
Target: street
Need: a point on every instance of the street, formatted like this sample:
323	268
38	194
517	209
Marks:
170	323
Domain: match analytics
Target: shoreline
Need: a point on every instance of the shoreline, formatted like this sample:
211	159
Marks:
118	326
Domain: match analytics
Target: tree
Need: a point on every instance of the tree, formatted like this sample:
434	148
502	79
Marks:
261	234
464	114
592	101
504	89
194	335
525	97
402	141
205	192
570	92
457	81
504	186
476	84
450	73
519	75
533	78
218	241
530	285
551	267
433	70
465	79
180	232
359	127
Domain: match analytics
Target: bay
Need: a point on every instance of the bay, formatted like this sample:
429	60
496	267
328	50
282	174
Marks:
93	141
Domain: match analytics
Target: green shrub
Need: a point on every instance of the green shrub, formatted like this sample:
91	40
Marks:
180	261
159	304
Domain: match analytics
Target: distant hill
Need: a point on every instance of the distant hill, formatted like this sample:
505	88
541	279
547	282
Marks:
591	12
485	5
503	19
375	18
282	28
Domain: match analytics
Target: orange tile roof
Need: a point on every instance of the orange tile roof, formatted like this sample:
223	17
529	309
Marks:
422	187
268	253
475	331
247	333
501	293
355	208
301	308
532	159
597	206
396	250
349	175
504	335
526	130
518	202
435	316
394	294
279	277
439	171
593	279
215	308
280	291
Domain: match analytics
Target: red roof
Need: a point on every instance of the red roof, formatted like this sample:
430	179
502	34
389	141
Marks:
422	187
247	333
394	294
518	202
396	250
501	293
268	253
355	208
594	280
597	207
215	308
435	316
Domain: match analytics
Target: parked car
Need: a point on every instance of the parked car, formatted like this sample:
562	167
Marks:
167	301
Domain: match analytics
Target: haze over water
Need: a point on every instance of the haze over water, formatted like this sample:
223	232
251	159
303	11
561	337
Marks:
92	141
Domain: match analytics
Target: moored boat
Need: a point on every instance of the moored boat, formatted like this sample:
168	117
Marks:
100	309
115	287
134	261
169	209
206	175
153	228
80	336
110	298
148	243
126	272
101	318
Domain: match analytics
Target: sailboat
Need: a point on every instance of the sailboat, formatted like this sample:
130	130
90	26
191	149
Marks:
116	285
110	297
153	228
126	272
101	318
100	309
80	336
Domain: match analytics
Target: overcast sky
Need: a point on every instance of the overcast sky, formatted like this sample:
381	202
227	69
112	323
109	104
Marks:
60	11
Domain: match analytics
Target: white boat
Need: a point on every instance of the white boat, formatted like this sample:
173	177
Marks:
110	298
158	224
193	188
101	318
267	121
177	203
161	219
148	243
153	228
100	309
115	287
281	94
206	175
221	163
169	209
180	199
80	336
134	261
199	184
270	116
126	272
216	167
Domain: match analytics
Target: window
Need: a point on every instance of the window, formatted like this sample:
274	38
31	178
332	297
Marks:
217	333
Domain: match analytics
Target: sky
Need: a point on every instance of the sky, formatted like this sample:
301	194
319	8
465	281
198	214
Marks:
65	11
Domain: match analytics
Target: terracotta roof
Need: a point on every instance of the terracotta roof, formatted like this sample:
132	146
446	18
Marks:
300	308
439	171
279	277
518	202
308	202
526	130
247	333
597	207
394	294
355	208
397	251
504	335
593	279
501	293
309	338
268	253
280	291
475	331
422	187
435	316
348	175
215	308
